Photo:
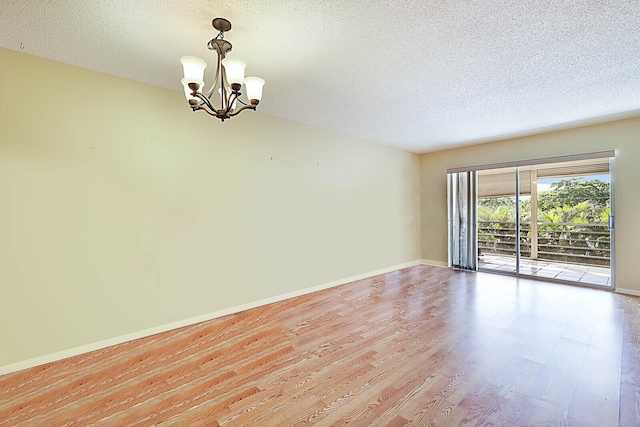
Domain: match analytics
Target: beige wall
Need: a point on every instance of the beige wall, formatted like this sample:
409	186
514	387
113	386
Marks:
622	136
122	210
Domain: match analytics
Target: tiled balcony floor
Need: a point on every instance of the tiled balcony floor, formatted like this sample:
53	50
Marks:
586	274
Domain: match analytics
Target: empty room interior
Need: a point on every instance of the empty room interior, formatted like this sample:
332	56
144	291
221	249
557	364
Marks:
425	218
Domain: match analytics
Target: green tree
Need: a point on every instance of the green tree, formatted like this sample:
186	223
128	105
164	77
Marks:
572	192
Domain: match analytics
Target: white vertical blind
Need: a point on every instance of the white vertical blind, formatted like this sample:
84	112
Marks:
463	212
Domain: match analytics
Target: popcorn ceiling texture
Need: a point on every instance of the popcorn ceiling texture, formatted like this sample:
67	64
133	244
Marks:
419	75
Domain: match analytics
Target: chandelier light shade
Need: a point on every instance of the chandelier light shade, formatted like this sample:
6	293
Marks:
234	69
193	69
228	81
254	87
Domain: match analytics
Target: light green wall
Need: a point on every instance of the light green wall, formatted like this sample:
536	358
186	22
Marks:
122	210
622	136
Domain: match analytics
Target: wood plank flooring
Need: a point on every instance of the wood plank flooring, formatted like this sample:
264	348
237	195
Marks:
423	346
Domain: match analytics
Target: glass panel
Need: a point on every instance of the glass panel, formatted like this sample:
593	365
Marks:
528	228
574	241
497	220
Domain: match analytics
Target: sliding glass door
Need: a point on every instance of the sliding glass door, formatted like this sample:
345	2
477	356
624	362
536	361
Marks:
550	220
497	225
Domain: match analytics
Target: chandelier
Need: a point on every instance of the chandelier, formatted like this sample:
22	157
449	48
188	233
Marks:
228	80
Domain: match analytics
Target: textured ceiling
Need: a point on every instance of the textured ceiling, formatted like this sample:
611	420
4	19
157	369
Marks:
421	75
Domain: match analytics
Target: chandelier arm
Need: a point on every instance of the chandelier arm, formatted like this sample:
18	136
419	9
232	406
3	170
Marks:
226	102
215	80
241	109
206	110
204	100
232	98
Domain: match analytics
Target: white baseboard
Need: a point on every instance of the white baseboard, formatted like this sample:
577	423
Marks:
434	263
632	292
52	357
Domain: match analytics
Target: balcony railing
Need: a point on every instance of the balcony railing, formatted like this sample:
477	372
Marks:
587	243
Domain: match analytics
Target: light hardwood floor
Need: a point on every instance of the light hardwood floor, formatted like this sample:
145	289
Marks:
423	346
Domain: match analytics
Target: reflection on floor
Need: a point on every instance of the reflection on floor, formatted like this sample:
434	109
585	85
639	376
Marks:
586	274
